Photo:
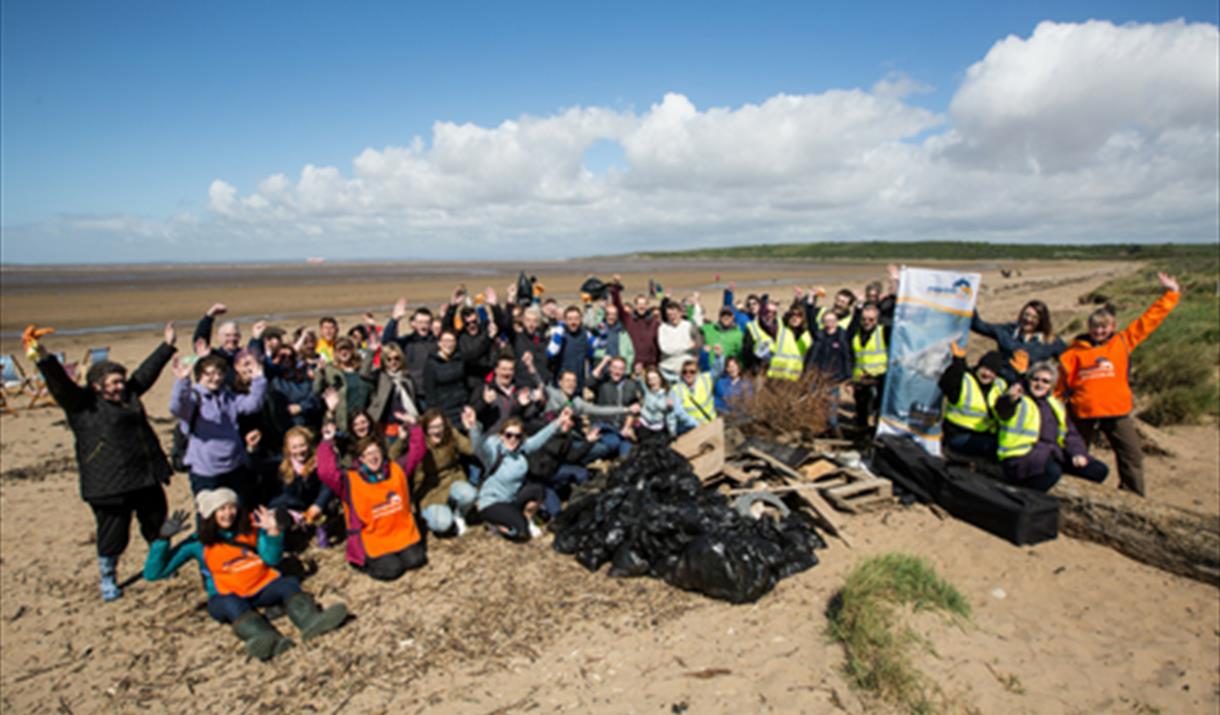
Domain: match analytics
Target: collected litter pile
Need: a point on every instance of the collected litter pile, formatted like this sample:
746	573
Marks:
654	518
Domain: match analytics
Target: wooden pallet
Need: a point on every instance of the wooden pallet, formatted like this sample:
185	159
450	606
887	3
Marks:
860	493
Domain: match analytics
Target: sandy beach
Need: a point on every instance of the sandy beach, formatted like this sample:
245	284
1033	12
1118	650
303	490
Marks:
1062	627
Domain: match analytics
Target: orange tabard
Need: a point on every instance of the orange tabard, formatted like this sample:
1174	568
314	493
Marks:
384	509
236	567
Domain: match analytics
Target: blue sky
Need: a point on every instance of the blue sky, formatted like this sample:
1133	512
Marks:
134	109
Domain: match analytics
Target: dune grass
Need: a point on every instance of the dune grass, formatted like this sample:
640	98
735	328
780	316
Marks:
1173	373
863	617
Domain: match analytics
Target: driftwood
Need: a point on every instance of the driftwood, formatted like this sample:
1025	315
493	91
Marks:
1170	538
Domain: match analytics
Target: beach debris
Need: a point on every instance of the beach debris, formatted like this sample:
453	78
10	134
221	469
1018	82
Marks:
654	518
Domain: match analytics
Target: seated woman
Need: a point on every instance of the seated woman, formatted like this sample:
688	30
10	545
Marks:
301	497
505	501
1037	440
238	572
1031	333
443	494
384	539
661	414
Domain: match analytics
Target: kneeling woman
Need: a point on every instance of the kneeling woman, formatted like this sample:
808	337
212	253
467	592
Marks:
384	539
1037	440
238	572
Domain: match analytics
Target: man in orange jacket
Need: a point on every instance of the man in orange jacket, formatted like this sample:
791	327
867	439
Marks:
1094	381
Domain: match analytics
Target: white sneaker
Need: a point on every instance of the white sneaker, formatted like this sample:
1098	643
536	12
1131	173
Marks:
535	532
460	524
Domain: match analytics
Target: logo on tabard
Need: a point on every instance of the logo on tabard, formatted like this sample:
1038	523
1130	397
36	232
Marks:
391	505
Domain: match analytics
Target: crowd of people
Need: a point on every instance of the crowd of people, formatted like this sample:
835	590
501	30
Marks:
492	412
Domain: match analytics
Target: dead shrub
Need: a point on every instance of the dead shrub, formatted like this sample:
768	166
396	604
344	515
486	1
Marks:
777	408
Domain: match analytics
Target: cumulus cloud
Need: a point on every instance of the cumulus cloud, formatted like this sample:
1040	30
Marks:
1080	132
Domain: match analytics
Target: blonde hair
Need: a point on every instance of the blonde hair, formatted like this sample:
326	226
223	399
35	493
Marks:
287	473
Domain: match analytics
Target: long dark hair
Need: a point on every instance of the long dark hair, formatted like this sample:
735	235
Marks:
1044	318
209	530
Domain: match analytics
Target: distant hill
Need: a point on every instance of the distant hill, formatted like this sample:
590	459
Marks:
946	250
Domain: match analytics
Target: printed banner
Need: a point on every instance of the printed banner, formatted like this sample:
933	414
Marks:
934	309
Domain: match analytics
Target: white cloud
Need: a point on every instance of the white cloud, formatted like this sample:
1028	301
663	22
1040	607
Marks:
1081	132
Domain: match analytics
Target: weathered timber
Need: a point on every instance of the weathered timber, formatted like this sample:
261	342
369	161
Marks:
1170	538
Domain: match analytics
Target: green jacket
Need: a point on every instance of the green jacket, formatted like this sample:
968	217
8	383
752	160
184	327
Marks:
729	340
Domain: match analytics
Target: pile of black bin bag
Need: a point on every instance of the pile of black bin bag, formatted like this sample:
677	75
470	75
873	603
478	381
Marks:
654	518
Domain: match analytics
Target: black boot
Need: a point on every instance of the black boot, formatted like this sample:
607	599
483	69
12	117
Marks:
262	640
311	620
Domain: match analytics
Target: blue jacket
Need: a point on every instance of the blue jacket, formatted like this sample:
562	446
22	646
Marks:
505	480
1008	339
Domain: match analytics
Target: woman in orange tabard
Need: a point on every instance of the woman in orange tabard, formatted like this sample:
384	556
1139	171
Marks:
384	538
237	554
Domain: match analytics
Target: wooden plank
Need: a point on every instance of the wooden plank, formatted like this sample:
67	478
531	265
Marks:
774	490
884	487
704	448
823	510
735	473
821	468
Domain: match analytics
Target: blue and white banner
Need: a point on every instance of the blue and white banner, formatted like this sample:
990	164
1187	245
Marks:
934	310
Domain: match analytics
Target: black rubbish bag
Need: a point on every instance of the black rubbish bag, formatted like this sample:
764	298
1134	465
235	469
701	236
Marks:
652	517
725	568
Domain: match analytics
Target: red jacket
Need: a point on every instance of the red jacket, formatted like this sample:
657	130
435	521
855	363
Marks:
642	329
1093	379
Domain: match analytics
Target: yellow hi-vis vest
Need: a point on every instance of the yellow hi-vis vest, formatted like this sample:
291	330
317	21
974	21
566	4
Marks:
844	323
975	404
871	358
764	345
1019	433
698	400
789	358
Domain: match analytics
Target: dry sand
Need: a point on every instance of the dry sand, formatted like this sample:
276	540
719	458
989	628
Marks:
1062	627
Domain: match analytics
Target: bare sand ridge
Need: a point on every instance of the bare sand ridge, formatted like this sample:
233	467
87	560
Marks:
1063	627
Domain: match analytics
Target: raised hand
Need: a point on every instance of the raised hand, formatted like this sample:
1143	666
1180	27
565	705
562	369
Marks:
171	335
524	398
182	369
265	519
1079	461
957	350
489	395
527	359
490	294
469	418
634	408
1016	391
1019	361
258	329
331	397
201	348
217	309
1168	282
593	433
174	524
400	309
253	437
329	430
566	413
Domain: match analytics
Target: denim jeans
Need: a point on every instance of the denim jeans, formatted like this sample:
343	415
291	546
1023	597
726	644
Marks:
559	487
229	608
439	517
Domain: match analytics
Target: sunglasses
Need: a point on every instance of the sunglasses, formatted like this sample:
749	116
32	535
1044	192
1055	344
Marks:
1040	381
512	435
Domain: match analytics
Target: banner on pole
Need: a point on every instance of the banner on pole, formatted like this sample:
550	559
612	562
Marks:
934	310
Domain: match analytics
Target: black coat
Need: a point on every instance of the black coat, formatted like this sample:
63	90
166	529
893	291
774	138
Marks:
445	385
116	448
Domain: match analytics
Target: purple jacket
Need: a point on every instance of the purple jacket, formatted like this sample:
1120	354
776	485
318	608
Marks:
1028	466
210	420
